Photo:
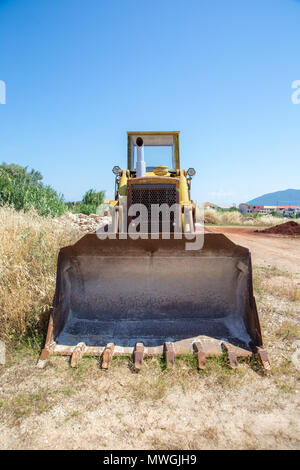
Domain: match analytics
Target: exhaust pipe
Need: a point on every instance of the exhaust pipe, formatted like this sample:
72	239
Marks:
140	164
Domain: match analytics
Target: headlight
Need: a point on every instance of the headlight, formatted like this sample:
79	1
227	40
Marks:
116	170
191	172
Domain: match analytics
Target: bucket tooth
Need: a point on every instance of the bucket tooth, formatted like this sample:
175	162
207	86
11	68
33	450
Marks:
201	355
231	354
107	356
169	353
77	354
263	356
138	356
44	358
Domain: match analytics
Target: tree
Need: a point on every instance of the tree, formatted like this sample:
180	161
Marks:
17	172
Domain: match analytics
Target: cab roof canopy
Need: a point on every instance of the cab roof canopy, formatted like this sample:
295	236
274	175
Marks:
154	138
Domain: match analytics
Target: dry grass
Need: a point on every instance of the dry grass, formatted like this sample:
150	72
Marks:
278	284
288	331
212	216
29	246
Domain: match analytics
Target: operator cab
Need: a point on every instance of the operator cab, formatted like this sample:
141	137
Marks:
160	149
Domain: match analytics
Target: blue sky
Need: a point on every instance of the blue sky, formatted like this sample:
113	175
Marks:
80	73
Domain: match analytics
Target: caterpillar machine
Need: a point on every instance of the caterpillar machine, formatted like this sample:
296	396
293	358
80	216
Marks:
134	290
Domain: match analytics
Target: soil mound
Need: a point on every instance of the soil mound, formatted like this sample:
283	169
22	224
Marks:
288	228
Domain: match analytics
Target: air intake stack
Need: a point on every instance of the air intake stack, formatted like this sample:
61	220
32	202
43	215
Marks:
140	164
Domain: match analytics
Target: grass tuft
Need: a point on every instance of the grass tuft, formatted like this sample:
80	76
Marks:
289	331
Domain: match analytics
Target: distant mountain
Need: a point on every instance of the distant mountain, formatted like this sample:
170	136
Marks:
284	198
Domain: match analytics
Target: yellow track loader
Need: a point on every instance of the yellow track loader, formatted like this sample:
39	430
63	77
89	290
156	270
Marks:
145	285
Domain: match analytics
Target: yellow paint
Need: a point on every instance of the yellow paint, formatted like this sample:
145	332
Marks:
176	150
151	173
184	190
123	183
161	170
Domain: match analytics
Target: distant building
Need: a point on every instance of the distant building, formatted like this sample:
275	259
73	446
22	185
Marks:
284	210
269	209
251	208
243	208
209	205
289	210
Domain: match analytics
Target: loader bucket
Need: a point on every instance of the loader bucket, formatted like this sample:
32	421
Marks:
112	295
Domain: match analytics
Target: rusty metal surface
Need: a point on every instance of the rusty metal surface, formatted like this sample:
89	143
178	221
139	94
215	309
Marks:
46	353
77	354
210	346
188	285
231	354
263	356
138	356
107	356
203	347
44	358
154	292
169	354
201	355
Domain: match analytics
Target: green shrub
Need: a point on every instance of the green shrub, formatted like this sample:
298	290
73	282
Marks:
87	209
255	215
24	189
93	198
276	214
230	209
90	201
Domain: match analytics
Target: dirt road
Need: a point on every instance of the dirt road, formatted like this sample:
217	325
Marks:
267	250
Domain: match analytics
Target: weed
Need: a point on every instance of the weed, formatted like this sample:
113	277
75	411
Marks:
289	331
71	414
84	367
153	388
24	404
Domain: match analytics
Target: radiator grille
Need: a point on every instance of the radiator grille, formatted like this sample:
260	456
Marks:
148	194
